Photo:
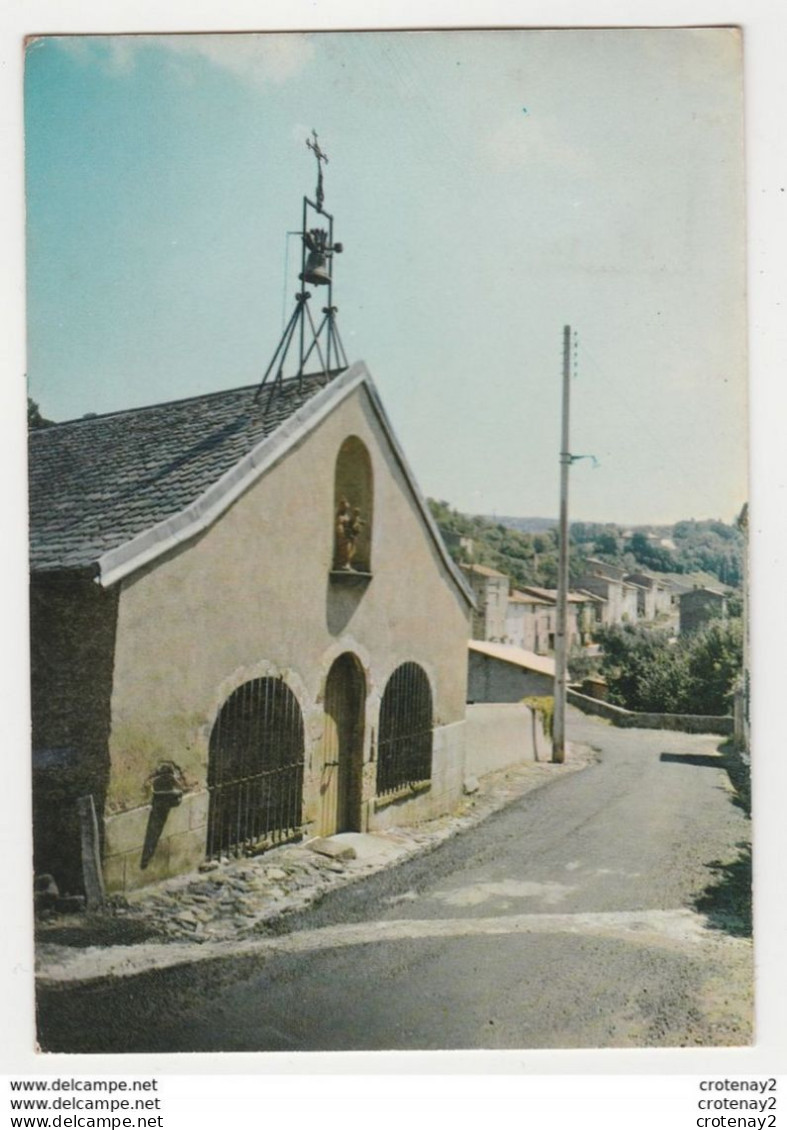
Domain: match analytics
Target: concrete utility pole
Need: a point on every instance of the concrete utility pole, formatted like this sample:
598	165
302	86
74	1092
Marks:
561	648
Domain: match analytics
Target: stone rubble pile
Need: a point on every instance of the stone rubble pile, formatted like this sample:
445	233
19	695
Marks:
232	899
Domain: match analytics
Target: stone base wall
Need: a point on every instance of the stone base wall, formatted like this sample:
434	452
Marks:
501	734
619	716
179	848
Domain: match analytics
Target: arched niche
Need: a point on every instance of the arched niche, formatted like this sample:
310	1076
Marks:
353	498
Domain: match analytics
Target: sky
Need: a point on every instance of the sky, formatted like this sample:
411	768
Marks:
489	187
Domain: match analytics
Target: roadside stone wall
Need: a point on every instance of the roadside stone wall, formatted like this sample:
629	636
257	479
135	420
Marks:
619	716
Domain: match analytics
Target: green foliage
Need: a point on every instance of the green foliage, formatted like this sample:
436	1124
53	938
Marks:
735	605
713	547
581	666
708	546
531	557
693	675
652	556
608	544
34	417
715	661
544	707
527	558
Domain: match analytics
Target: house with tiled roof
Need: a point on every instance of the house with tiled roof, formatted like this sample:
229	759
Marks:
490	589
654	597
580	618
225	654
528	621
620	598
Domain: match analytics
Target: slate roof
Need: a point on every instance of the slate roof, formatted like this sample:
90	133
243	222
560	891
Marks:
97	482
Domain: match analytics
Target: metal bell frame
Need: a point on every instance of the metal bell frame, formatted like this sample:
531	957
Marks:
327	330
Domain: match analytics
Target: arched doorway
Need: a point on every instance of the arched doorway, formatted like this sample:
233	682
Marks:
255	768
341	767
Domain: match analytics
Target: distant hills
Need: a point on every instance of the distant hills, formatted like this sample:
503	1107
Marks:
526	525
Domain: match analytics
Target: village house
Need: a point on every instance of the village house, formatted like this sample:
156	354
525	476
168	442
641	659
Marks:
528	621
490	589
654	595
224	653
606	581
580	616
699	606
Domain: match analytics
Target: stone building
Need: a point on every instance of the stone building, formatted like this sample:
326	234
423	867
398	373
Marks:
224	652
620	598
490	589
504	673
699	606
580	619
654	596
528	621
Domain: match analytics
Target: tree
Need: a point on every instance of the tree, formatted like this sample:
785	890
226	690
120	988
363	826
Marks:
635	663
652	556
34	417
715	661
693	675
607	544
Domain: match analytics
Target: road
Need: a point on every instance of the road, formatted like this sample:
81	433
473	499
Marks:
566	920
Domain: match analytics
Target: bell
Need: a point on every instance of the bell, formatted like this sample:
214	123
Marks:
316	270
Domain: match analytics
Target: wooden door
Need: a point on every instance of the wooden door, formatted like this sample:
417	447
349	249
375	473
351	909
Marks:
342	748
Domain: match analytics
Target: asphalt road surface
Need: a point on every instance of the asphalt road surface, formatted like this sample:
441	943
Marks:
566	920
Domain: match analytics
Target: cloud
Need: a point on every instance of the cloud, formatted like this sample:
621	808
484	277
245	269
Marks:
253	58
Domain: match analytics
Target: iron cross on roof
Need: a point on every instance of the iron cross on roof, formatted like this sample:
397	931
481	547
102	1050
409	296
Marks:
318	153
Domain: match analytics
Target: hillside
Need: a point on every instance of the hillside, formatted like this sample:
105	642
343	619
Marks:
525	525
526	548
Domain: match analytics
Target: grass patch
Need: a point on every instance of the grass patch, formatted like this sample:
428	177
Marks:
544	707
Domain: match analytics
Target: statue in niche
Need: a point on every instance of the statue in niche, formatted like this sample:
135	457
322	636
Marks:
348	529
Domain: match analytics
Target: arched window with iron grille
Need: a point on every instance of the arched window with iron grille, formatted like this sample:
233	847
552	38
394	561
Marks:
255	768
404	749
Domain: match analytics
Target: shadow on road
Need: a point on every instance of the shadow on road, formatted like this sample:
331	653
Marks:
727	902
739	774
728	758
707	760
